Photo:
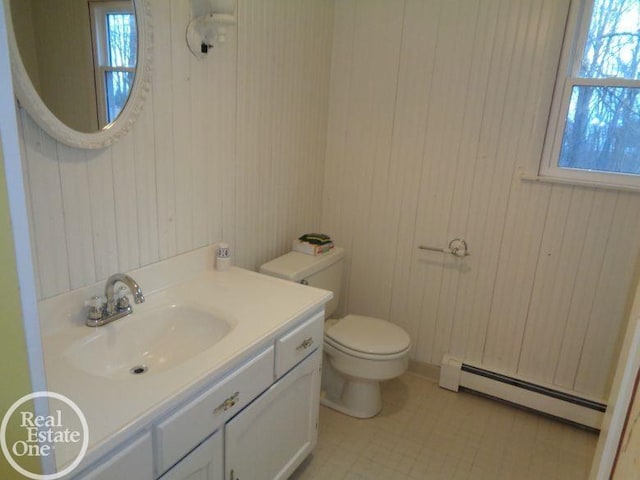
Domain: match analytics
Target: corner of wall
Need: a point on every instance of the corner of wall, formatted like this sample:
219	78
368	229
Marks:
14	365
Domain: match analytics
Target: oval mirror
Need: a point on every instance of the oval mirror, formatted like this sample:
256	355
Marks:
81	69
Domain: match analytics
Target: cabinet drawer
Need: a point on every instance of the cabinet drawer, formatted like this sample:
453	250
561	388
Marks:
297	344
187	427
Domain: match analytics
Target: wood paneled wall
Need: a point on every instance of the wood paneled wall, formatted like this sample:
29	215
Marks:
231	147
436	108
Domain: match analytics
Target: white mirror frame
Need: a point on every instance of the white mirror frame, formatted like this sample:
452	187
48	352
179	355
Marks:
30	100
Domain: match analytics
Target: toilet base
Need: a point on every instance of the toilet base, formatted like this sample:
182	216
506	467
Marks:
359	398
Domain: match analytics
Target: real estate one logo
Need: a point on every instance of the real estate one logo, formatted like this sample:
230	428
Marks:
39	435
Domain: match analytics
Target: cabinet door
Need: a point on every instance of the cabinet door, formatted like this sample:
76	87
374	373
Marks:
130	461
203	463
273	435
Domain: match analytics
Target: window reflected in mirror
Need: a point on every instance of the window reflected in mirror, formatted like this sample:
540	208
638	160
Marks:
115	53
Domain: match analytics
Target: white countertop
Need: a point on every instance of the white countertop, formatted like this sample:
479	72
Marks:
262	308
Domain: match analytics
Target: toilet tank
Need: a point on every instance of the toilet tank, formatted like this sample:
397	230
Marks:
321	271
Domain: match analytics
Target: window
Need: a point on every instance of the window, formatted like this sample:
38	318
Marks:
115	42
594	129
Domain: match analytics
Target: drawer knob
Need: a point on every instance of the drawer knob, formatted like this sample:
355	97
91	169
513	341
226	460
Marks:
228	403
306	343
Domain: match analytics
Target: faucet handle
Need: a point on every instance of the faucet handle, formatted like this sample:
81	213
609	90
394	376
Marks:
96	305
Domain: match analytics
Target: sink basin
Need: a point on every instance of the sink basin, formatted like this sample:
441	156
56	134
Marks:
146	343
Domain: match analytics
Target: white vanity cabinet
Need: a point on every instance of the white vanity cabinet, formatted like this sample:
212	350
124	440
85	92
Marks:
258	422
232	381
264	415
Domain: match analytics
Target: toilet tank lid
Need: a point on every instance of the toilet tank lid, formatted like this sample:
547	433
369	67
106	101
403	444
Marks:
296	266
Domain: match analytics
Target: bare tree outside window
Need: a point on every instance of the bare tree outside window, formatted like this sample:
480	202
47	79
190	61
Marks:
602	131
122	50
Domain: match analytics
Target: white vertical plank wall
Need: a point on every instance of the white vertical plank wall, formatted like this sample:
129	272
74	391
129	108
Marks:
230	147
436	106
388	123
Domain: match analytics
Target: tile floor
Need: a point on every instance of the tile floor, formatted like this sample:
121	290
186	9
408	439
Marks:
425	432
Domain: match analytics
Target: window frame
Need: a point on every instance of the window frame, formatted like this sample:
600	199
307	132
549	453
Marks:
567	77
98	11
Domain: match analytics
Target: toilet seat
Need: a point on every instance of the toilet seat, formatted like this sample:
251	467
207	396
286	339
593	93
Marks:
362	355
368	337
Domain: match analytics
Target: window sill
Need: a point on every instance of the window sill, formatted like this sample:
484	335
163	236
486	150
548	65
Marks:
532	177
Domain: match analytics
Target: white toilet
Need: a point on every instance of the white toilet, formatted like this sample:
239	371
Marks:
359	351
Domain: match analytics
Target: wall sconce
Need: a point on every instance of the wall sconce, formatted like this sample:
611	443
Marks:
209	29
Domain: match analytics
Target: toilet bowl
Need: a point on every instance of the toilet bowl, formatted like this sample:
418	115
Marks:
359	351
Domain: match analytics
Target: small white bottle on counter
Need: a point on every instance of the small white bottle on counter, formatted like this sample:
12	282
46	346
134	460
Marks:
223	257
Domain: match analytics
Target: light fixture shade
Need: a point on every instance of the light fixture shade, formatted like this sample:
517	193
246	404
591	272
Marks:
205	31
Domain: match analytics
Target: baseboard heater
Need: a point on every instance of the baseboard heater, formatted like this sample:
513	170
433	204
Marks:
456	375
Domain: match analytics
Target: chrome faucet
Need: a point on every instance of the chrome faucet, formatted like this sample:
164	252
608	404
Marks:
105	310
